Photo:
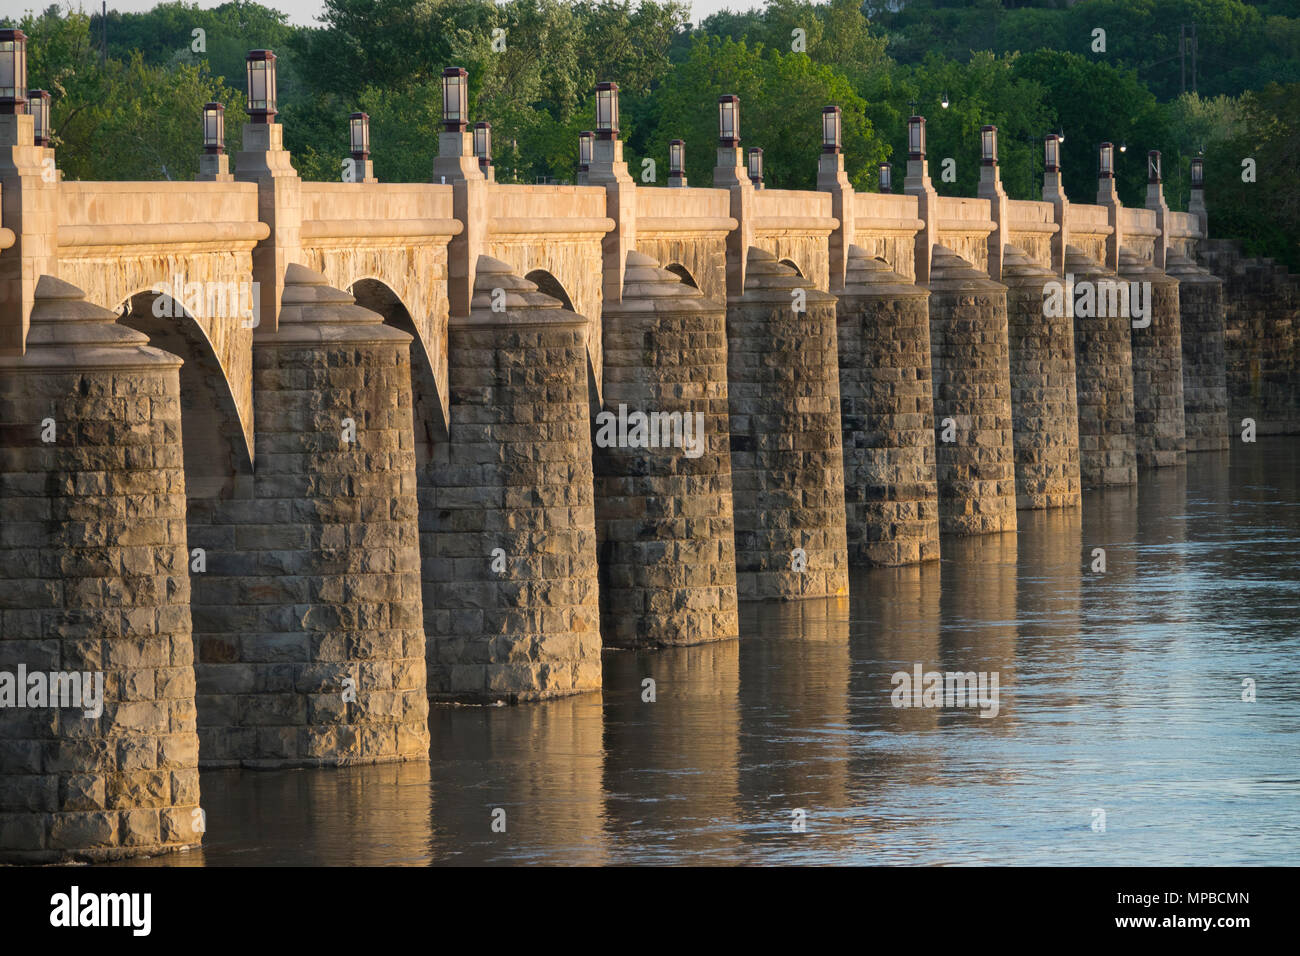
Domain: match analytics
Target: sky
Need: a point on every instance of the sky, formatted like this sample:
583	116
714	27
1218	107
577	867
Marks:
305	12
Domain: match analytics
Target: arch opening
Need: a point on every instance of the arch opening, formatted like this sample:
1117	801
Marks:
213	444
793	265
547	284
679	270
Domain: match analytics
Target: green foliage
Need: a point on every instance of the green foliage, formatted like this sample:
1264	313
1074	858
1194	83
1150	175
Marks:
126	119
791	89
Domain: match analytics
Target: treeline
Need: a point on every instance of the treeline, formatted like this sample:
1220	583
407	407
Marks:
1028	68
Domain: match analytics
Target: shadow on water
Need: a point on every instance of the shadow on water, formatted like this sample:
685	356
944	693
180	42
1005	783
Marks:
1119	691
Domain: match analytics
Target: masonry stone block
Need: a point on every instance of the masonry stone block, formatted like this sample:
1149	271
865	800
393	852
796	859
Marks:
891	494
970	365
1044	408
787	458
306	590
1158	417
508	534
1103	368
664	494
71	786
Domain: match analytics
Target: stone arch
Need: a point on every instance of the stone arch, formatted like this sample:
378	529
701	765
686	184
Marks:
795	266
430	422
679	270
547	284
213	437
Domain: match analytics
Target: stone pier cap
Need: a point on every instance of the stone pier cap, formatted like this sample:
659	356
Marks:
503	299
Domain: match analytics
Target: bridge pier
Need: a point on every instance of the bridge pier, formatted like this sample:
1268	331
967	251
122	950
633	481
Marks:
891	495
1205	390
787	461
1044	410
93	553
664	514
1103	368
970	363
1158	422
510	568
311	651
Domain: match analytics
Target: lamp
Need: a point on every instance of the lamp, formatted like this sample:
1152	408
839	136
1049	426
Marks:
916	138
359	134
13	71
214	129
38	104
831	142
455	99
261	86
607	110
729	120
1052	153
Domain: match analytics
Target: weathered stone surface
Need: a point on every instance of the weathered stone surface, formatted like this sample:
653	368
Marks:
1205	390
510	538
1103	368
1158	423
664	518
93	555
309	649
1044	409
1261	339
970	365
891	494
787	458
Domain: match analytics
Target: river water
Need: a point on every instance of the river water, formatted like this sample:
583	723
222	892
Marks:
1119	692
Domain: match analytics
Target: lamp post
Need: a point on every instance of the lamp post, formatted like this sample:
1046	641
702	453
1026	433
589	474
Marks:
359	136
214	164
359	143
756	167
483	149
831	132
214	129
1106	161
886	177
38	104
988	145
729	120
13	72
676	163
1153	167
455	99
261	87
916	138
585	141
607	111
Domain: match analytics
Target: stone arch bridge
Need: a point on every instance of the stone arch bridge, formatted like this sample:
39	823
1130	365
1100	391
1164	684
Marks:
283	461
